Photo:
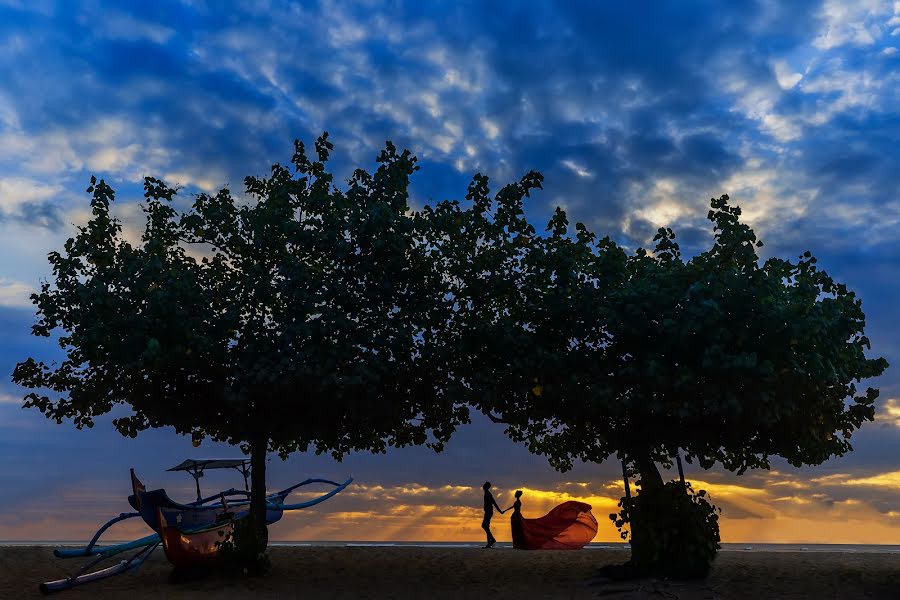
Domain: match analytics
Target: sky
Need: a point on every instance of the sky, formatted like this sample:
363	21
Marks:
636	113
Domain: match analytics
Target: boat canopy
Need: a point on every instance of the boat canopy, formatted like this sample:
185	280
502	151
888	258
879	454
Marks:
196	467
210	463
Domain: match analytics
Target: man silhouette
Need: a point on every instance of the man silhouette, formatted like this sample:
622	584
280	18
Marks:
489	505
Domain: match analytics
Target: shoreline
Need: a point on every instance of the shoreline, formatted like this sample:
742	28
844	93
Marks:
414	572
594	546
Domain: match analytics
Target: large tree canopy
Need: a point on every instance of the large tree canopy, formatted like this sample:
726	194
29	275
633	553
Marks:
296	318
586	351
311	317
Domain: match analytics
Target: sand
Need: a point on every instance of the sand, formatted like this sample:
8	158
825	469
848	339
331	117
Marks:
405	572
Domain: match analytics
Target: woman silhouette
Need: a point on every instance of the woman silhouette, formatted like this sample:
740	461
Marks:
515	522
568	526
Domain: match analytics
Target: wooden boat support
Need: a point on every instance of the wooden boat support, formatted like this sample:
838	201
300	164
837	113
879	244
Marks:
82	577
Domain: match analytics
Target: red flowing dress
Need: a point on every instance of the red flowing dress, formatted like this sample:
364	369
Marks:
569	526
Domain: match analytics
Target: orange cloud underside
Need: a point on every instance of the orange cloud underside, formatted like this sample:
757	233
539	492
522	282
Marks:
785	510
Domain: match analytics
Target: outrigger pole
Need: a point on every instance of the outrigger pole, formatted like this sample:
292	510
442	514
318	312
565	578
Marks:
81	576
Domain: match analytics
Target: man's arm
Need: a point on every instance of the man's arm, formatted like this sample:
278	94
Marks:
495	504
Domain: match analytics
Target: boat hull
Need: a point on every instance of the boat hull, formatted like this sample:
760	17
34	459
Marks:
187	549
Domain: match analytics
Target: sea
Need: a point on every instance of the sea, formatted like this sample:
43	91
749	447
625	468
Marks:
743	547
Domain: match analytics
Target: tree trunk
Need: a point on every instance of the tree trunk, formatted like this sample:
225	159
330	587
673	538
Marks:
651	483
258	450
671	534
625	479
651	480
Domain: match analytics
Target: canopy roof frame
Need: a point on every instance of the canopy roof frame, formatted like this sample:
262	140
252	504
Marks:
196	467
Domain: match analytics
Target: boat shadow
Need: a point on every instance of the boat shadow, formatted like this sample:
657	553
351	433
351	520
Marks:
182	575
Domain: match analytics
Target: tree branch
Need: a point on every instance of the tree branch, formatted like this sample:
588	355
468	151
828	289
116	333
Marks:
494	418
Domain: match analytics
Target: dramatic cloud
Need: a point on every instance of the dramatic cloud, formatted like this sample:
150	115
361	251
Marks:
636	114
890	413
15	293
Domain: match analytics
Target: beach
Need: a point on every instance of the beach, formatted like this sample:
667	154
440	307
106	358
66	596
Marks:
417	572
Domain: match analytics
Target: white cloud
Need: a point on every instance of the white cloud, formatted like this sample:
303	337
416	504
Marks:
18	191
116	150
110	147
781	127
110	159
768	196
43	7
890	413
576	168
8	114
15	294
889	51
842	90
210	181
490	128
444	143
785	76
662	203
759	101
430	100
856	23
9	399
47	152
121	26
346	33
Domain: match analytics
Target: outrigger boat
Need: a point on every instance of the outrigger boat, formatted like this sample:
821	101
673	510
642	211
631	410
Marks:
201	513
188	521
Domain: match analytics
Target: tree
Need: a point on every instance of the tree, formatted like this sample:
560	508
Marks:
586	352
297	319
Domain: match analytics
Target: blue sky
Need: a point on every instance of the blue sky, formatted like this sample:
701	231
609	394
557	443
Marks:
636	113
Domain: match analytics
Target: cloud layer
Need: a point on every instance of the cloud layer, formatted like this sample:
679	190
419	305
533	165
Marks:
636	113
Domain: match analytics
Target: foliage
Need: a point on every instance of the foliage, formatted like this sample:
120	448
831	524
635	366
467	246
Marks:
674	531
639	355
586	351
296	318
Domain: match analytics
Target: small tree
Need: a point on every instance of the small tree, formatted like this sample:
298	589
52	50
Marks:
299	320
586	352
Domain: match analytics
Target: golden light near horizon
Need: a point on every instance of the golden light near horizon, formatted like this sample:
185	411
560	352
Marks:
784	511
789	108
778	508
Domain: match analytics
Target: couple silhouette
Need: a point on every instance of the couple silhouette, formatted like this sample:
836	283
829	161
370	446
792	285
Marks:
568	526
